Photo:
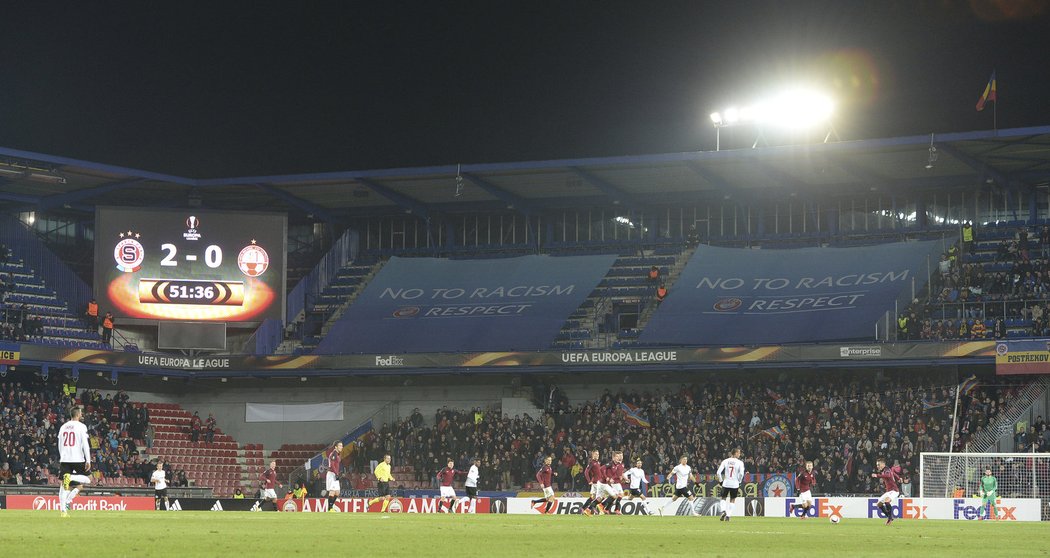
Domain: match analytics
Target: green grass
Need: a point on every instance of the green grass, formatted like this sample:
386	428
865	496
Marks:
88	534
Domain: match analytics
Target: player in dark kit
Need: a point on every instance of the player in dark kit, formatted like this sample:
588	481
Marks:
331	477
448	494
268	484
804	482
613	487
594	473
891	477
543	476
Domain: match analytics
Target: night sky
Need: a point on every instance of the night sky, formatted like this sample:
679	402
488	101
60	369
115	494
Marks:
209	89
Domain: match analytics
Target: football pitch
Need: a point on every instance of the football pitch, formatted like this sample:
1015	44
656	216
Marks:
86	533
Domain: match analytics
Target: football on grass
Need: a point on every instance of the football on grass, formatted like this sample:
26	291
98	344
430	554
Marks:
835	519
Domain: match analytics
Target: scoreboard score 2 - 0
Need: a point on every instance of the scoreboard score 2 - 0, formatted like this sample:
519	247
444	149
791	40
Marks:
190	265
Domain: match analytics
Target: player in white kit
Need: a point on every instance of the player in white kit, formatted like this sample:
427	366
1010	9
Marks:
682	474
730	474
74	455
160	486
471	484
635	476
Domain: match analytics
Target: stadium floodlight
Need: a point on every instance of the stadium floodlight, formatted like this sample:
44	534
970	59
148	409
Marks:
793	109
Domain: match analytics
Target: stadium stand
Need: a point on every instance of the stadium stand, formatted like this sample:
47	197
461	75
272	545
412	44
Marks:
219	464
31	410
996	287
614	314
292	456
1000	289
329	305
31	311
842	422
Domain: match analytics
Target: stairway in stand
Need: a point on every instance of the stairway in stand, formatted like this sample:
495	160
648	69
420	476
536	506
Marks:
218	465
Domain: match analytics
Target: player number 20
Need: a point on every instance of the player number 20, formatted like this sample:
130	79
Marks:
212	255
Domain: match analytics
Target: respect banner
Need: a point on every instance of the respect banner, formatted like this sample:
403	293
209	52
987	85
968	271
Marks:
434	304
734	296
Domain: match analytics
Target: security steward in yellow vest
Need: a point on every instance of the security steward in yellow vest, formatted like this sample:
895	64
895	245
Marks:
967	237
69	389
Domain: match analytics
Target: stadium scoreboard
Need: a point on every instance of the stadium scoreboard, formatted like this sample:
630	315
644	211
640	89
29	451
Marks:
154	265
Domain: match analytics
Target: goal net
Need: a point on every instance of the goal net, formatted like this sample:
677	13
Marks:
958	475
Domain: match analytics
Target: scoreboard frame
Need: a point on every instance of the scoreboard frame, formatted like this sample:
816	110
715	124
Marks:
220	267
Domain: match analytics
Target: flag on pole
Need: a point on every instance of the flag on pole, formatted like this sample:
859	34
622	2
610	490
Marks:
774	433
780	401
928	404
989	93
633	415
968	385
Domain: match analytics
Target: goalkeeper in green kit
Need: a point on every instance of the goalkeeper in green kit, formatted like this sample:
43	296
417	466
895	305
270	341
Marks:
989	487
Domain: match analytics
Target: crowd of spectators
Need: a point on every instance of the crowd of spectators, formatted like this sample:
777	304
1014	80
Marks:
980	302
32	409
842	422
1032	437
16	324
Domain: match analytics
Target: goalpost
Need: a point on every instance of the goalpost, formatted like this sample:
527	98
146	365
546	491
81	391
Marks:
950	475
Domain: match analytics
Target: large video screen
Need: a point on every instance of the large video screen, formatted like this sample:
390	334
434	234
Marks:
190	265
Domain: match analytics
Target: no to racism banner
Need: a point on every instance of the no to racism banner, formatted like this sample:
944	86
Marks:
436	304
734	296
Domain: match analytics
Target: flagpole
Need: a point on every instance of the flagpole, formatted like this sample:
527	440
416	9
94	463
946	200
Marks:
995	115
951	443
995	109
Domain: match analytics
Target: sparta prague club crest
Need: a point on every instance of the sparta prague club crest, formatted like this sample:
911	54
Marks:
129	253
253	260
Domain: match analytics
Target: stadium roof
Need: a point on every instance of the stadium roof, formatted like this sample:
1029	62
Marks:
1017	158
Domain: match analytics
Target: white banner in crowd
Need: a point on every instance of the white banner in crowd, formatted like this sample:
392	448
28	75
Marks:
969	509
307	412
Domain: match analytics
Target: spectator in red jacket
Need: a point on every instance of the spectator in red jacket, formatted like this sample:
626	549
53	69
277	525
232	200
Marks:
195	427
